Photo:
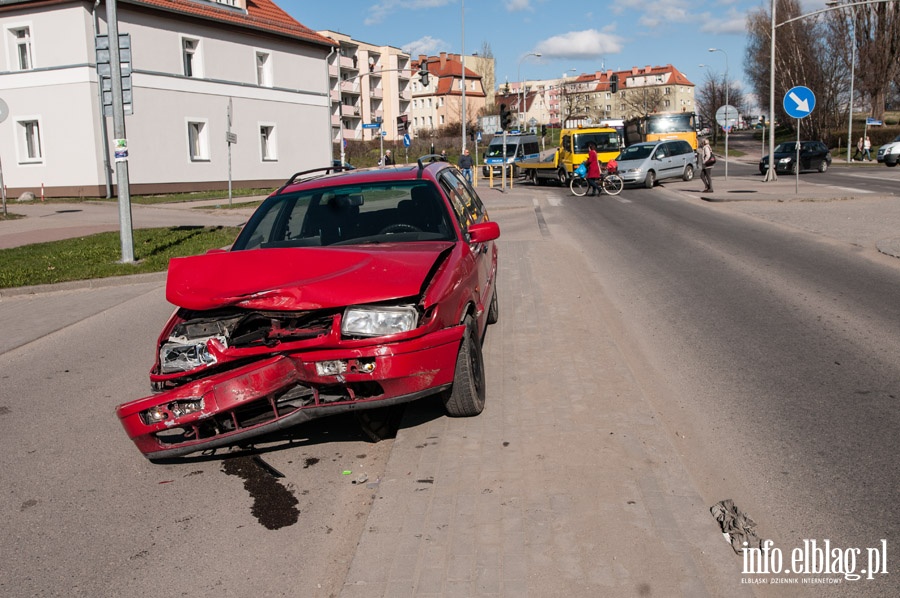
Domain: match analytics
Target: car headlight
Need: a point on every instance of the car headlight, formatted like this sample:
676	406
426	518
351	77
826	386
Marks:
378	321
634	170
181	355
784	160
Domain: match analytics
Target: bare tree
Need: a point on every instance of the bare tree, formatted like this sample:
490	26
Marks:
876	35
802	57
711	96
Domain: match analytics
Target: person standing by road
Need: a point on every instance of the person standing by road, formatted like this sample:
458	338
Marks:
867	149
388	158
465	165
593	170
859	150
705	157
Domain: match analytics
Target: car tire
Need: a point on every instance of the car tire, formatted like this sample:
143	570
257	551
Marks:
650	180
688	173
891	164
562	177
380	423
493	314
794	168
466	397
823	166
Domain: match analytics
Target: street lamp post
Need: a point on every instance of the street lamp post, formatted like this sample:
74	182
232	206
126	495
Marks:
727	126
834	3
521	85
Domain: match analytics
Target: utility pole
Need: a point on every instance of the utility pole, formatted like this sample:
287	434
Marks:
121	141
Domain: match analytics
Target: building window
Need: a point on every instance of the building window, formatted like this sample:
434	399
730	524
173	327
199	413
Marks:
667	103
198	141
30	144
668	90
22	39
267	143
190	54
263	69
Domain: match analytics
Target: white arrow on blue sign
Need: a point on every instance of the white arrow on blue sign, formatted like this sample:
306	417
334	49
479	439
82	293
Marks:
799	101
406	140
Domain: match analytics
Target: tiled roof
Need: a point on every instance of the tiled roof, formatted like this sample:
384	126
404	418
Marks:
262	15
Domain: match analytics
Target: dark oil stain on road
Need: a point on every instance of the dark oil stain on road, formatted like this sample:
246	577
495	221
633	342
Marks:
274	506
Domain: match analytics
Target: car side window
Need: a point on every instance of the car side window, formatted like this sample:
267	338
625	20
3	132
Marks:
466	204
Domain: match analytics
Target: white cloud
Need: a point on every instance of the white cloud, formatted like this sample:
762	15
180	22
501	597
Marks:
578	45
518	5
733	21
424	45
380	11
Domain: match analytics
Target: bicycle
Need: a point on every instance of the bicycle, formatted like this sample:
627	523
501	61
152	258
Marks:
610	183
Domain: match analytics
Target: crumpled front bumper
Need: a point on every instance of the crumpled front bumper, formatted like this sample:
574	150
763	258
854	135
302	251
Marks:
282	390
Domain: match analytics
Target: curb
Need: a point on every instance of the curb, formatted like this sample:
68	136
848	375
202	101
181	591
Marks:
91	283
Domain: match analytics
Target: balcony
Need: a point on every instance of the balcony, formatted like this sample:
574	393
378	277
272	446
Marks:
350	87
347	63
350	111
376	92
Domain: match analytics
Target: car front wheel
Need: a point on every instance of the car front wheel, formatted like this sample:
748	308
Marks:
466	398
688	173
650	180
823	166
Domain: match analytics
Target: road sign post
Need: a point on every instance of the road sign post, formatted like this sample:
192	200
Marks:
798	102
726	116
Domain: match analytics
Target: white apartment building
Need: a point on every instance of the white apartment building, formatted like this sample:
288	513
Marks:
368	84
195	64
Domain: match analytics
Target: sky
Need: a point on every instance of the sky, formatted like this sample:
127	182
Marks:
570	39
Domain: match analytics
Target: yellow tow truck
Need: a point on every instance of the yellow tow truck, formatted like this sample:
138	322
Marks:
557	164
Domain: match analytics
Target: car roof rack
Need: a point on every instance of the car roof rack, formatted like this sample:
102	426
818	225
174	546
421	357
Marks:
293	179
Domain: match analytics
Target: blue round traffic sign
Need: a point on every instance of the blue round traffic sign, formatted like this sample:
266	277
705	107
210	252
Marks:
799	102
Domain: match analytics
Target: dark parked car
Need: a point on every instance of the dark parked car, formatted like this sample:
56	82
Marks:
346	166
347	291
814	155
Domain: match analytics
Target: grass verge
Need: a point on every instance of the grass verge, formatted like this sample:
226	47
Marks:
98	256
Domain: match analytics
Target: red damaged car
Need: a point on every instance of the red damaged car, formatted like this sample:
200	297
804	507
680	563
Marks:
345	291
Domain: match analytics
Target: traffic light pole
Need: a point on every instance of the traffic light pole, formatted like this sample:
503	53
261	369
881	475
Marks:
121	141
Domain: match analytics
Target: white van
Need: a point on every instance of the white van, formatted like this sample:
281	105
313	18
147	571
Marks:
518	147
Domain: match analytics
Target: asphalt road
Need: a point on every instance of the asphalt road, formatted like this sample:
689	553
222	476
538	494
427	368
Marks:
762	336
772	351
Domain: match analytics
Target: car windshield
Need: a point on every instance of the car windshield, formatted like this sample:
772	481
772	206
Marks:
495	150
784	148
636	152
604	142
377	212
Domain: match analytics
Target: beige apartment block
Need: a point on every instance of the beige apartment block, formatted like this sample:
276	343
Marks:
368	84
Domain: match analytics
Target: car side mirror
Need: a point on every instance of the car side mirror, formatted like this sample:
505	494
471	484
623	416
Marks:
482	232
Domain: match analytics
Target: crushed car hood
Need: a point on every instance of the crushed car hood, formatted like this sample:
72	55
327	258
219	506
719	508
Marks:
301	278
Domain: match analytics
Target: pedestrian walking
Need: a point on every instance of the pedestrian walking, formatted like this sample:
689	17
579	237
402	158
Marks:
707	160
867	149
465	165
593	171
859	150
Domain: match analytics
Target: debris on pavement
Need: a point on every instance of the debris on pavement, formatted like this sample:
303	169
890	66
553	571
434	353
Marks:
737	526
